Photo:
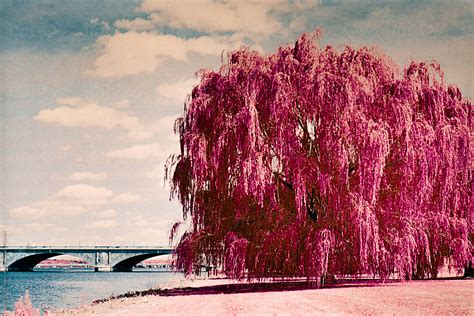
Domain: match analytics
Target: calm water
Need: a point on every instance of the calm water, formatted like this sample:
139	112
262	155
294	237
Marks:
68	288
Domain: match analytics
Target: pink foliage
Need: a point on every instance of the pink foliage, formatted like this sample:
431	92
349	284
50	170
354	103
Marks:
24	307
313	162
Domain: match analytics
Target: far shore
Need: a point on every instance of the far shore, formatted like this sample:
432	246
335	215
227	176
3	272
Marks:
452	295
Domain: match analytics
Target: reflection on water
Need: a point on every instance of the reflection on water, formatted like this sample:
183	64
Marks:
71	288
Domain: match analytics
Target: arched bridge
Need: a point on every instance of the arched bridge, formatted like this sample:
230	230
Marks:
104	258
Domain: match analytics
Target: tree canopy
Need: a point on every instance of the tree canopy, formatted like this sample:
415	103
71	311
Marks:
314	161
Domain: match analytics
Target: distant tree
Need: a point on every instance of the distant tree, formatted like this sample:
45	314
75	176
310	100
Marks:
313	162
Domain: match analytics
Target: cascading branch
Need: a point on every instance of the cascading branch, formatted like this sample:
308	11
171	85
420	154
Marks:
313	162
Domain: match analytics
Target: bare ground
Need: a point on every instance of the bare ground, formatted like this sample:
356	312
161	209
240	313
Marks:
219	297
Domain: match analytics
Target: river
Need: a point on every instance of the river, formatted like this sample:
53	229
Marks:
72	288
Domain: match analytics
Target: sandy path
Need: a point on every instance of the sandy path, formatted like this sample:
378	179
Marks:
454	297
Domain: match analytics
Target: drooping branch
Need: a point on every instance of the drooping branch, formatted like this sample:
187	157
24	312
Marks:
315	161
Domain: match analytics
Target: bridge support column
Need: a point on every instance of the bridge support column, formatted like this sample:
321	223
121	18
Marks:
102	262
3	267
102	268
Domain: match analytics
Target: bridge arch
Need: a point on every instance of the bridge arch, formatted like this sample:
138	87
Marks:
127	264
29	262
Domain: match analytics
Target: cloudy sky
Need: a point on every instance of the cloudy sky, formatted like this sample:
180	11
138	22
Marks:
89	91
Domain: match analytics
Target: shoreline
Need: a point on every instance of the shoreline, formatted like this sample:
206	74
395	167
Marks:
354	296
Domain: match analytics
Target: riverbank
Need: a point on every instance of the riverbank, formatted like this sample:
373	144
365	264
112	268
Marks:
222	297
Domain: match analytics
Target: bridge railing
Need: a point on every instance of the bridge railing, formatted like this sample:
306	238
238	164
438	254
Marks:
84	247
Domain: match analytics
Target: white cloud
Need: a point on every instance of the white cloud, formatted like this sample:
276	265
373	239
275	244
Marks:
215	16
107	223
28	227
137	24
123	104
165	124
84	194
57	206
131	53
46	208
153	233
85	176
108	213
140	152
176	92
158	172
96	21
59	230
70	101
138	220
39	226
27	212
67	147
74	200
81	113
126	198
142	132
76	112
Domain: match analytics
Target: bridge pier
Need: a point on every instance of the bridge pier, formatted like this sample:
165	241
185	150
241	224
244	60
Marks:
3	266
102	262
102	268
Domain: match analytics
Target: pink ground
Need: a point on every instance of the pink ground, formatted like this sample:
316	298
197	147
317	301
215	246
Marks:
408	298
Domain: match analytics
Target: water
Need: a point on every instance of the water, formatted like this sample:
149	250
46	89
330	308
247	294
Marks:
72	288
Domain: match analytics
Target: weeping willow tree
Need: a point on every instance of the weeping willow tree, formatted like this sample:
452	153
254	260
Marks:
313	162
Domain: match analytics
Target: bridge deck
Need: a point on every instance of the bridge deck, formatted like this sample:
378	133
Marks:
82	248
104	258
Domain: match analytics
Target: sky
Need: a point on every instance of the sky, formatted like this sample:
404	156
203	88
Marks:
89	91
